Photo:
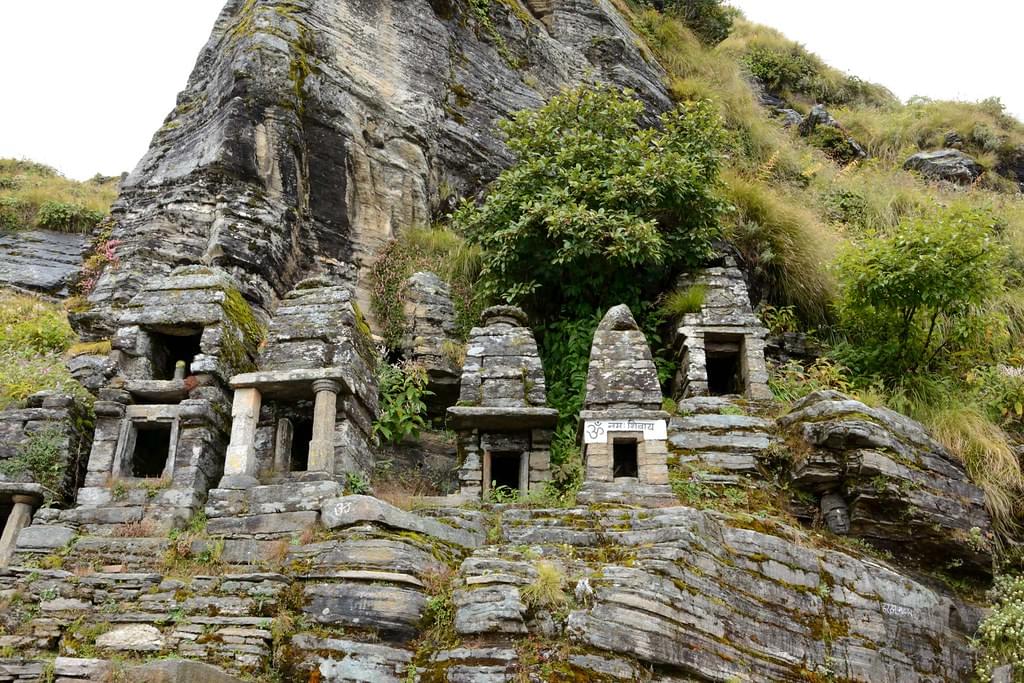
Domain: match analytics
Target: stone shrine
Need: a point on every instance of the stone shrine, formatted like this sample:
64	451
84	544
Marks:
302	422
622	425
721	347
162	419
504	428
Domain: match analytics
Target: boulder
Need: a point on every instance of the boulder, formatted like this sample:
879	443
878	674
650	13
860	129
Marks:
351	510
834	140
1011	165
945	164
904	491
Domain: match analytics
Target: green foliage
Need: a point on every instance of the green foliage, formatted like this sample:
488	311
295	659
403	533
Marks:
597	208
784	247
64	217
835	143
778	320
33	195
402	410
1000	391
356	485
680	302
41	458
33	337
787	68
910	301
437	250
1000	637
791	381
710	20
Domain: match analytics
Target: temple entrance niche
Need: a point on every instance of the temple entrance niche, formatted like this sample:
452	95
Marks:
625	454
721	347
504	470
725	364
172	355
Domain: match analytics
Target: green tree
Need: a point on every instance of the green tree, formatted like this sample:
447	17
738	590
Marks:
914	301
598	208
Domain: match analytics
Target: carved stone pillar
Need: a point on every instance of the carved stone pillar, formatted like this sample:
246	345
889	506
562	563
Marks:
20	518
240	464
325	411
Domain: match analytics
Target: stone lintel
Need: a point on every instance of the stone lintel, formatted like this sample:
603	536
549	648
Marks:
501	418
291	384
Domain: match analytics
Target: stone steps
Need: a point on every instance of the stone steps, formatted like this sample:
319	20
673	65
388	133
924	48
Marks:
711	434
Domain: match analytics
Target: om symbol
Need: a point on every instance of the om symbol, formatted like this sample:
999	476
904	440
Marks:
595	430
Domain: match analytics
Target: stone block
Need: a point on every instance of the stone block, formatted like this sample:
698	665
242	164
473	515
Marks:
265	525
351	510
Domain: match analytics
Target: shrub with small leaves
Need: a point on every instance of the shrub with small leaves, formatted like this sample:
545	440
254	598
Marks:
41	459
1000	636
65	217
402	409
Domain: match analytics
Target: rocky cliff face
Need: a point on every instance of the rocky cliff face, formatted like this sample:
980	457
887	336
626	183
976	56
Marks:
313	131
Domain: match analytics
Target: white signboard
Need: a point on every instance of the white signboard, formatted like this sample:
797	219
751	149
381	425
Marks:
596	431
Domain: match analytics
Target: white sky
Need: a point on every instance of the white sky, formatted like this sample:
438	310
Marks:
937	48
85	83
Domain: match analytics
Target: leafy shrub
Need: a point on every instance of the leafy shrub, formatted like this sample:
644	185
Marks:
911	300
65	217
41	458
780	70
1000	390
425	249
597	208
791	381
402	410
778	320
710	20
1001	633
27	323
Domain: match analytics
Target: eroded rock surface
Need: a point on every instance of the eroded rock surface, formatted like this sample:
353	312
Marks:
906	493
946	164
311	133
40	260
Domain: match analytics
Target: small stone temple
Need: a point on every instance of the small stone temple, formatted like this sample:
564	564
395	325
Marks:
622	425
504	428
162	418
721	347
307	412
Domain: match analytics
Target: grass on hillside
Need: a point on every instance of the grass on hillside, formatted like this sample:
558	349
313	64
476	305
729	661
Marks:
36	196
34	336
794	209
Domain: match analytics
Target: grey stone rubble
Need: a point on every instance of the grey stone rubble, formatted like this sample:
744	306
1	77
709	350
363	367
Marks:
40	260
945	164
501	420
721	348
430	339
904	491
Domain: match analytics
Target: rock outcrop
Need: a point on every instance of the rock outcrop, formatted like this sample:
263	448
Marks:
430	338
904	491
310	133
40	260
946	164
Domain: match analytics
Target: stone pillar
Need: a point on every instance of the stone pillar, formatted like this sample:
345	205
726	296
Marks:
325	412
283	446
20	518
240	463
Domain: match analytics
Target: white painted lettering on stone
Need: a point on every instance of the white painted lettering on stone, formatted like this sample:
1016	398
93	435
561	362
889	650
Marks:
596	431
896	610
